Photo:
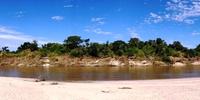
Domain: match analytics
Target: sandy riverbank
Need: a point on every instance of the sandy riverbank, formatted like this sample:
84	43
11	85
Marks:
67	61
169	89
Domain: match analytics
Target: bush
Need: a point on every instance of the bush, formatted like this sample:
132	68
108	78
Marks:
135	52
77	52
166	59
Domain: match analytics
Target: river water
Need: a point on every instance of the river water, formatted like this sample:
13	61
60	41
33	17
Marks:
101	73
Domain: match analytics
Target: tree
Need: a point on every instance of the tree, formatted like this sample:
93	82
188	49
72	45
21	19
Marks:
132	51
86	41
33	46
5	49
171	52
53	48
197	49
151	43
134	42
119	47
94	49
106	50
160	47
191	53
177	46
73	42
78	47
148	50
77	52
136	52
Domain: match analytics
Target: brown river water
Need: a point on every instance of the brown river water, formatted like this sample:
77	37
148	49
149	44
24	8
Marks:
101	73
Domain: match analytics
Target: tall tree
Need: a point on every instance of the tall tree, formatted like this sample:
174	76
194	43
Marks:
197	49
33	46
177	46
5	49
160	47
94	49
119	47
73	42
134	42
53	47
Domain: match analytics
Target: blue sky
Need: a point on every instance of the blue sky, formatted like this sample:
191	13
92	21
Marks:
99	20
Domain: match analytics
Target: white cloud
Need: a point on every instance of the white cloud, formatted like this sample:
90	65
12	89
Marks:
98	20
68	6
195	33
185	11
15	37
12	38
57	18
7	30
95	27
133	33
154	18
97	31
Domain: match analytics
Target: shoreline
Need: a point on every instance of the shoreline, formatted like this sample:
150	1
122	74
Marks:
161	89
67	61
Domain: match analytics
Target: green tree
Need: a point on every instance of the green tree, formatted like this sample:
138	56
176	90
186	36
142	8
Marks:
87	42
136	52
5	49
197	49
132	51
73	42
177	46
94	49
33	46
160	47
170	52
191	53
148	50
106	50
119	47
53	48
134	42
77	52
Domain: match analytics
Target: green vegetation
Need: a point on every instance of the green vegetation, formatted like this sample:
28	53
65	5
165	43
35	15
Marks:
75	46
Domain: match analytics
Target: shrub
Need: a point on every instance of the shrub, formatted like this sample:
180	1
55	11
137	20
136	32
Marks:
77	52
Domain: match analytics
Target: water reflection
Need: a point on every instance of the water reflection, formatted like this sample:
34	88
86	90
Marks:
101	73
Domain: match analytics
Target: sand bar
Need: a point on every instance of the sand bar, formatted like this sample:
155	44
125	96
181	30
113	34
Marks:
166	89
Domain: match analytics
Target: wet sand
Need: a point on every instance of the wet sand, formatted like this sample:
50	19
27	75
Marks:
166	89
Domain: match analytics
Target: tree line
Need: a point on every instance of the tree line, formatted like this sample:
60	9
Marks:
75	46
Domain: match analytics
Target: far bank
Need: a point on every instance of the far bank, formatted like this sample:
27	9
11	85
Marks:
32	60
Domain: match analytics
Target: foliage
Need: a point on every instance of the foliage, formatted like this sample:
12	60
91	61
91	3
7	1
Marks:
53	48
72	42
32	46
119	47
77	52
77	47
177	46
106	50
148	50
134	42
94	49
5	49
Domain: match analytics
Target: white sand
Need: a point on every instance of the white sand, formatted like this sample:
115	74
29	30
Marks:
169	89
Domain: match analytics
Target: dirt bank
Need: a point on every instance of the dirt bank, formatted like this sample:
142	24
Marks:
87	61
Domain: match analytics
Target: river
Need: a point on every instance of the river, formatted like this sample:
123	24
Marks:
101	73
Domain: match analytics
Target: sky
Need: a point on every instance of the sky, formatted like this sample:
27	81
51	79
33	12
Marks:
99	20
